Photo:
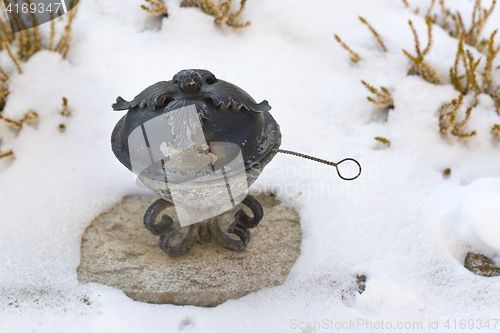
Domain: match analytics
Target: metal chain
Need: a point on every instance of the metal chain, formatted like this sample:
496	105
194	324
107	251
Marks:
289	152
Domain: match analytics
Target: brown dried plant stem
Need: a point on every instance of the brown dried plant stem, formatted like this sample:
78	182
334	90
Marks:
472	36
7	154
383	140
222	12
12	123
63	45
471	65
420	66
29	40
496	129
233	18
445	13
156	8
6	46
3	76
52	32
375	33
429	11
496	97
448	118
354	56
490	57
30	117
479	17
65	109
467	82
384	100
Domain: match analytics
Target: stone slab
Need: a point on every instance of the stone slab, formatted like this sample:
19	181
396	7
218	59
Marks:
117	250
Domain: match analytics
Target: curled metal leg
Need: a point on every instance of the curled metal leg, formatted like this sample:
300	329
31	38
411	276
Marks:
183	246
174	245
152	213
239	227
165	228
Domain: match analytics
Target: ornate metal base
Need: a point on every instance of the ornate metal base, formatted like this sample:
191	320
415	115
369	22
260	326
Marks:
202	232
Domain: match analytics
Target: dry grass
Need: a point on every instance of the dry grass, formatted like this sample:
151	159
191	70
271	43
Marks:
29	40
464	73
448	118
20	47
445	13
156	8
63	45
496	97
490	57
384	98
7	154
354	56
495	130
383	140
467	81
375	33
434	17
65	108
479	17
6	46
29	117
12	123
472	35
23	45
419	66
221	12
4	92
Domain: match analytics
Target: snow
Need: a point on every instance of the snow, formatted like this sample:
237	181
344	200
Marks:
401	224
379	294
481	211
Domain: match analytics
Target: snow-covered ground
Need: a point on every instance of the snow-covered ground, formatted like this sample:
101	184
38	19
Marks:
402	224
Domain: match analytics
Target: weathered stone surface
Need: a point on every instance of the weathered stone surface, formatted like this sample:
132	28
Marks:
481	265
118	251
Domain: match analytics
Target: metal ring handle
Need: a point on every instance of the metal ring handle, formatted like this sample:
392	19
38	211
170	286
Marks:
348	159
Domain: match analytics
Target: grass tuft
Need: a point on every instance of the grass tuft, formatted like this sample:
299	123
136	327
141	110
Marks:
354	56
384	98
419	66
383	140
448	118
156	8
7	154
29	117
65	108
491	54
221	12
375	33
495	129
